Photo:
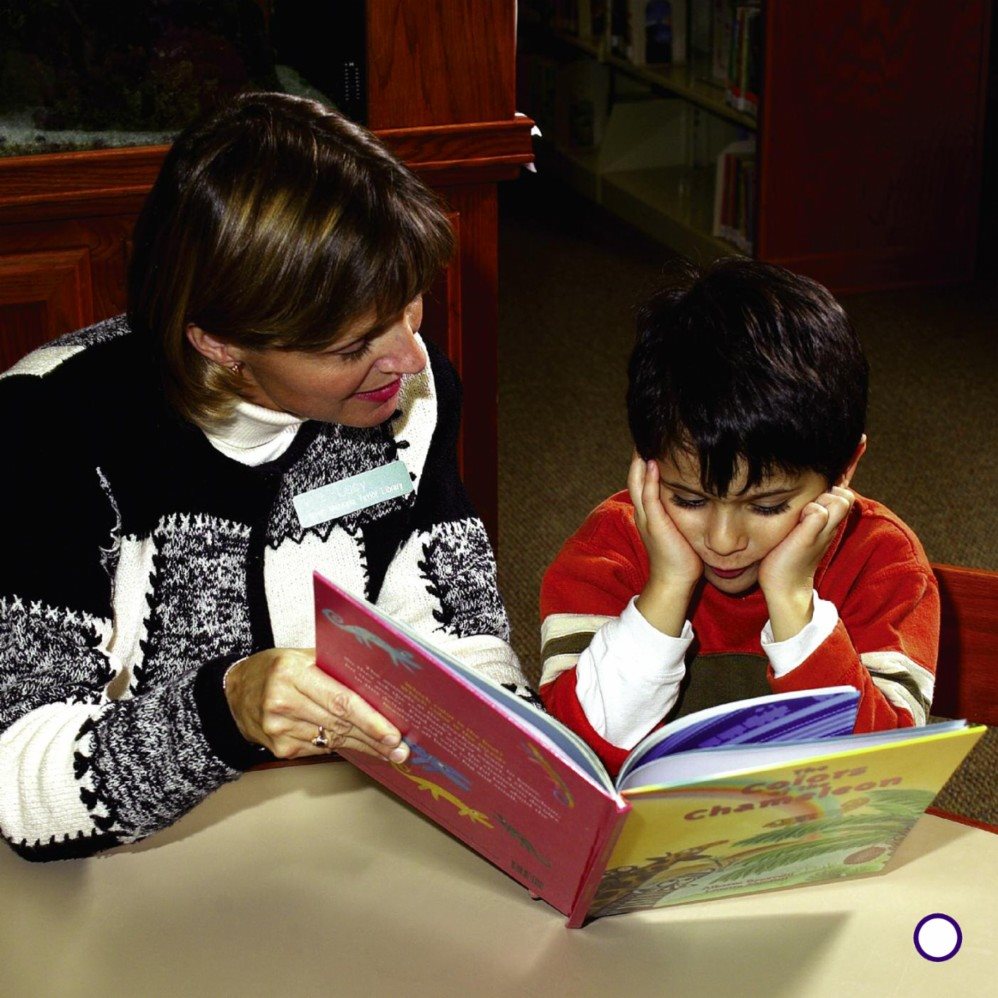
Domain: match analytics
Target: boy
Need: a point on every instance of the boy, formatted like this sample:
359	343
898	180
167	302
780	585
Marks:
738	562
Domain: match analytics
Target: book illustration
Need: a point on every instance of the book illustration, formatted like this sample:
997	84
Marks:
421	759
624	881
561	792
369	639
830	822
523	841
559	804
868	840
438	792
822	849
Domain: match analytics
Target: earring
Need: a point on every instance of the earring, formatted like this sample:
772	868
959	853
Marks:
236	366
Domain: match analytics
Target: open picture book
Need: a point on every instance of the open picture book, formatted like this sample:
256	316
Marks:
749	796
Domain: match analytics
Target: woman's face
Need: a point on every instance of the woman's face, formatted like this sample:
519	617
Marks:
355	381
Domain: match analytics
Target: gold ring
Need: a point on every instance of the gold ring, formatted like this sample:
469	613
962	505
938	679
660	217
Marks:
320	740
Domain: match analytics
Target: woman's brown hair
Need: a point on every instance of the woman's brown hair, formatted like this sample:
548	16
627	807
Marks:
275	222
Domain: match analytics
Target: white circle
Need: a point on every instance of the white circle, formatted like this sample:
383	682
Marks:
938	938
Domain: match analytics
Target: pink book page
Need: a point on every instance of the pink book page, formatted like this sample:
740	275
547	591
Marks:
483	774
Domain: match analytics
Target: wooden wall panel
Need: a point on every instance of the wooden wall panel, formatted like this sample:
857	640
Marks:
461	316
42	294
476	207
442	306
442	321
870	155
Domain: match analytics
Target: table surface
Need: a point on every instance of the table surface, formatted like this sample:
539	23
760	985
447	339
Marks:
309	878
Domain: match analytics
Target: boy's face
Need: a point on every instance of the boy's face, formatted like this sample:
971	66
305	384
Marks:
732	535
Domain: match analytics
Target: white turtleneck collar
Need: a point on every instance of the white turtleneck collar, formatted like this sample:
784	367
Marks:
253	435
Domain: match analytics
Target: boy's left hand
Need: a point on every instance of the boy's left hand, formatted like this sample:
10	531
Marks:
786	574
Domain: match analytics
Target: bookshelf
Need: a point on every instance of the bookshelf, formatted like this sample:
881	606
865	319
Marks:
688	82
859	163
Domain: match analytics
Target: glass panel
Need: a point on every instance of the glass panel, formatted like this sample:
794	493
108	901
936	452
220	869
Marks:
89	74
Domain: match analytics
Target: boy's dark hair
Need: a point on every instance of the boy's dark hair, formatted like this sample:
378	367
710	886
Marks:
747	361
275	222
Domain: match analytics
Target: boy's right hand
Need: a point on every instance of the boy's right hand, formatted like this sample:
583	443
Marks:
674	567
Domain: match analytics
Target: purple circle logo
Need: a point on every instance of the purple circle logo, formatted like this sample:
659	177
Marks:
938	937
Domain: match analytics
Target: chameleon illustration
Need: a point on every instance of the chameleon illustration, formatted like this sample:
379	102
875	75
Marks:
422	759
437	792
523	840
368	639
561	793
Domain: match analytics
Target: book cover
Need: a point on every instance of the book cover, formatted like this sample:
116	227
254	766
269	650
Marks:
835	815
745	797
745	63
734	193
753	62
483	764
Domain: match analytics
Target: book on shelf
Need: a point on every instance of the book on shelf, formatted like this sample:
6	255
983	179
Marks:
649	32
751	796
745	59
592	19
735	195
722	18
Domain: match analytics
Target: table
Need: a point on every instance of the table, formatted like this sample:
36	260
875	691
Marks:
311	878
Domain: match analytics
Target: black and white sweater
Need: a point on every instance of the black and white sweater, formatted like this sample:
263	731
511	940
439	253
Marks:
140	561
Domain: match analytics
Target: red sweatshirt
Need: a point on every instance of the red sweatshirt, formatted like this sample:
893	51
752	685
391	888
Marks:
875	573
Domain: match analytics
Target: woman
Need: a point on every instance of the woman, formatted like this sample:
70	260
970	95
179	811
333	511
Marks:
155	598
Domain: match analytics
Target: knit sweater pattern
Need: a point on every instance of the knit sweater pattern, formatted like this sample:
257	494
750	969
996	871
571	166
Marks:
141	562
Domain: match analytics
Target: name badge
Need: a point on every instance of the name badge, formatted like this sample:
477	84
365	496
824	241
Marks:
357	492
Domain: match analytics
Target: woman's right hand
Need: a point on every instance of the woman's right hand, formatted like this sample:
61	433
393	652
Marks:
279	700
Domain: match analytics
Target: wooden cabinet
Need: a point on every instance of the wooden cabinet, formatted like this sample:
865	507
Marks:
440	93
867	148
